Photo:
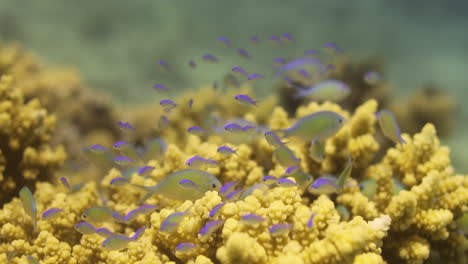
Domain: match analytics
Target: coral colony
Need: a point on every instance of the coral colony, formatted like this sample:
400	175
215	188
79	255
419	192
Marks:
218	176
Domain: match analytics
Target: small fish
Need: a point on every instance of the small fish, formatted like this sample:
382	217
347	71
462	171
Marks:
279	229
29	205
142	210
233	128
275	39
85	228
32	260
192	64
125	126
332	47
228	187
163	123
233	195
389	126
289	81
304	73
98	149
273	139
167	105
327	90
284	182
245	99
310	222
145	170
226	151
292	170
51	213
254	39
120	145
372	78
258	186
185	247
302	179
171	222
279	61
254	77
215	210
97	214
104	232
119	181
317	150
244	53
215	86
65	183
239	70
123	161
155	148
209	58
319	125
190	103
311	52
268	179
231	81
224	42
288	38
285	156
164	66
160	88
197	131
343	212
281	70
323	186
197	161
344	175
170	187
117	242
252	219
188	184
211	227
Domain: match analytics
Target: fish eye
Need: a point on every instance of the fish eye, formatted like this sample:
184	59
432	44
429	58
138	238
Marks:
213	185
83	215
340	120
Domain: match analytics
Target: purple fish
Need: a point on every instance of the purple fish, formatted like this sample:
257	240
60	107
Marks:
119	181
167	104
163	123
239	70
142	210
211	227
273	139
275	39
279	61
310	222
164	65
145	170
289	81
227	187
268	179
104	232
245	99
310	52
244	53
160	88
333	47
304	73
279	229
197	161
98	149
185	247
292	169
123	161
125	126
254	77
224	42
51	213
298	63
65	182
120	145
195	130
192	64
210	58
323	186
233	128
224	150
254	39
288	38
284	182
233	195
252	219
214	211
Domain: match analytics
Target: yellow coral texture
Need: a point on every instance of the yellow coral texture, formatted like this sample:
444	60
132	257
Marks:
409	217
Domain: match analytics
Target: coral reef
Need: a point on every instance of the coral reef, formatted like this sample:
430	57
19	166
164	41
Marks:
409	226
26	152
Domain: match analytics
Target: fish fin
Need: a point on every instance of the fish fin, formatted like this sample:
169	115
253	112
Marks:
138	233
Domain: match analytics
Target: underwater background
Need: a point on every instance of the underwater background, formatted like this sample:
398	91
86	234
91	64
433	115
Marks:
115	43
91	143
